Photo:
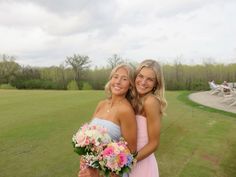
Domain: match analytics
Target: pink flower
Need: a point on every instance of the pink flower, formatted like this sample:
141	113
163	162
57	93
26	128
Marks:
122	159
81	140
117	158
87	142
108	151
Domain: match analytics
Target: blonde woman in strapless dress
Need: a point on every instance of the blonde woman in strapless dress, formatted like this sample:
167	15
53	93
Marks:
149	83
116	113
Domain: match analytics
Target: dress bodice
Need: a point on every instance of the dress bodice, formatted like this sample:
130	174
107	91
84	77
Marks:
112	128
148	166
142	134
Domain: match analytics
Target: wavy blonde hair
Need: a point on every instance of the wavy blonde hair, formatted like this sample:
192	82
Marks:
131	95
158	90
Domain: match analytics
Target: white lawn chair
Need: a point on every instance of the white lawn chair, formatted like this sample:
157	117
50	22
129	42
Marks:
215	89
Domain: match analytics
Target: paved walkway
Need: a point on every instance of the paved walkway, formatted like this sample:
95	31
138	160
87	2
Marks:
214	101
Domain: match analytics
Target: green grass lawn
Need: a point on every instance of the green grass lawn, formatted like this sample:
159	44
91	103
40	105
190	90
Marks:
36	129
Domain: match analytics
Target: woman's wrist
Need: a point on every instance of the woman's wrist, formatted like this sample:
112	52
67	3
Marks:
135	155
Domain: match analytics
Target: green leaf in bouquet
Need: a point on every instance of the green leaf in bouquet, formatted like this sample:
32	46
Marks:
107	173
125	169
95	164
80	150
73	144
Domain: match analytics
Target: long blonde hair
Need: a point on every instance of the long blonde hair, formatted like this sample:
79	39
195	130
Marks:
158	90
131	95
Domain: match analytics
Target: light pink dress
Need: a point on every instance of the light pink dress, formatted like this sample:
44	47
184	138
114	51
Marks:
148	166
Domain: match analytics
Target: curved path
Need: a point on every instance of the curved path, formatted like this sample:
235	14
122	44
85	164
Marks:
214	101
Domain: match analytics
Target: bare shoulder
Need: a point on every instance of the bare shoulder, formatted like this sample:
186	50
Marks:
152	103
151	100
125	109
102	102
99	105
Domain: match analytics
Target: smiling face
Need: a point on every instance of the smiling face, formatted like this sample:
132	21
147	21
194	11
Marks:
145	81
119	83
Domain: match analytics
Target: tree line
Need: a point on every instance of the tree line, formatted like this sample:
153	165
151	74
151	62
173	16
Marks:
76	73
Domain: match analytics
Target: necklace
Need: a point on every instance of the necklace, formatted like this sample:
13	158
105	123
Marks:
111	105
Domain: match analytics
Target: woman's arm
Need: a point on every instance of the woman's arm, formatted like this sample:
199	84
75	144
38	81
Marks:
128	126
88	172
153	115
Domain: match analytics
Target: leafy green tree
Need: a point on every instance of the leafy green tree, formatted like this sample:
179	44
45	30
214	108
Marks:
8	69
28	72
98	77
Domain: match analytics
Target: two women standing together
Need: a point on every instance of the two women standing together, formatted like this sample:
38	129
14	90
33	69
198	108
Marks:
133	110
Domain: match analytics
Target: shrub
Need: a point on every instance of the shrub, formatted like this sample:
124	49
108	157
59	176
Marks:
7	86
72	85
36	84
87	86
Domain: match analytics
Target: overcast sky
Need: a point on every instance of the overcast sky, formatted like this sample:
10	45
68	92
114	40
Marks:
44	32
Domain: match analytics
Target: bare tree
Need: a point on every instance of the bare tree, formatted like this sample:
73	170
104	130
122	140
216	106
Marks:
79	65
114	60
5	57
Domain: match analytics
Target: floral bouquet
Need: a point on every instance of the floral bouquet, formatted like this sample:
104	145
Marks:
116	158
97	149
89	142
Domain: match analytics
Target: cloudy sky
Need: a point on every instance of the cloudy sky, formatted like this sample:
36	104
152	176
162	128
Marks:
44	32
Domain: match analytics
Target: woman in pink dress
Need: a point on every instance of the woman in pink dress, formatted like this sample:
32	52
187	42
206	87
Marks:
149	83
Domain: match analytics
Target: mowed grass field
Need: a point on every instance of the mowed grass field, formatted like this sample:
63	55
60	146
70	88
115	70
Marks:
36	129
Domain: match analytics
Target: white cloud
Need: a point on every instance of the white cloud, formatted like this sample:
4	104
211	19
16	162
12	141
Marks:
42	32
